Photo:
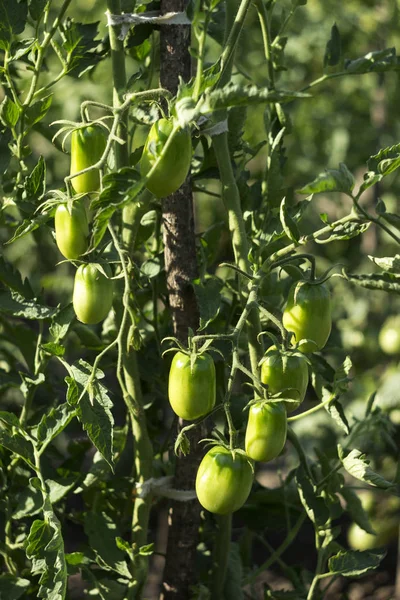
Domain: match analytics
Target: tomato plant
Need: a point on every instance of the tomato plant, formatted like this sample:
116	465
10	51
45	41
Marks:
285	370
259	101
87	147
93	293
307	314
191	385
72	229
223	481
173	167
266	430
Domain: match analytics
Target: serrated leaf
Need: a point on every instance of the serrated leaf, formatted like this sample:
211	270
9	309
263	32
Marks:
14	304
35	183
354	563
356	465
80	44
12	587
61	323
385	282
12	279
208	294
238	95
102	531
313	503
17	444
29	225
355	508
37	111
377	62
385	161
45	548
55	421
95	415
332	180
12	19
387	263
9	113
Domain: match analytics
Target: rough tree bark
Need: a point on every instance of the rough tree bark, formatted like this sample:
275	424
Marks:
181	268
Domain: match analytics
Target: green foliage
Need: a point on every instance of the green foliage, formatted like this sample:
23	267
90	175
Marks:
87	438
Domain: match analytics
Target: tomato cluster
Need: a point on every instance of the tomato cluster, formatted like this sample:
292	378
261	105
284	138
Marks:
93	286
225	475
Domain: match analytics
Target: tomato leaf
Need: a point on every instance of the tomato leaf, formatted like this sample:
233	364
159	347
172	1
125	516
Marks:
386	282
95	415
313	503
332	180
355	508
377	62
12	279
102	533
53	422
387	263
208	296
12	587
45	548
354	563
357	466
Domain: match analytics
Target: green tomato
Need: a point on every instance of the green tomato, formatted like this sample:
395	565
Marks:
87	147
266	430
389	336
223	483
283	370
192	388
386	531
72	229
308	314
93	293
174	166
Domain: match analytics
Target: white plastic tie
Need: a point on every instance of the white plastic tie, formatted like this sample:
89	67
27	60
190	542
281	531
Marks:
153	17
162	487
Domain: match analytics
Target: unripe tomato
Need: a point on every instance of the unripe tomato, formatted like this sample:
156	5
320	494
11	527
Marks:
93	293
266	430
87	147
389	336
223	483
308	314
72	229
192	389
386	531
282	370
174	166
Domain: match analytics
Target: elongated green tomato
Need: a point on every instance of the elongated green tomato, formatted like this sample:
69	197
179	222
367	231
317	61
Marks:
87	147
223	482
266	430
174	166
308	314
93	293
191	388
72	229
284	370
